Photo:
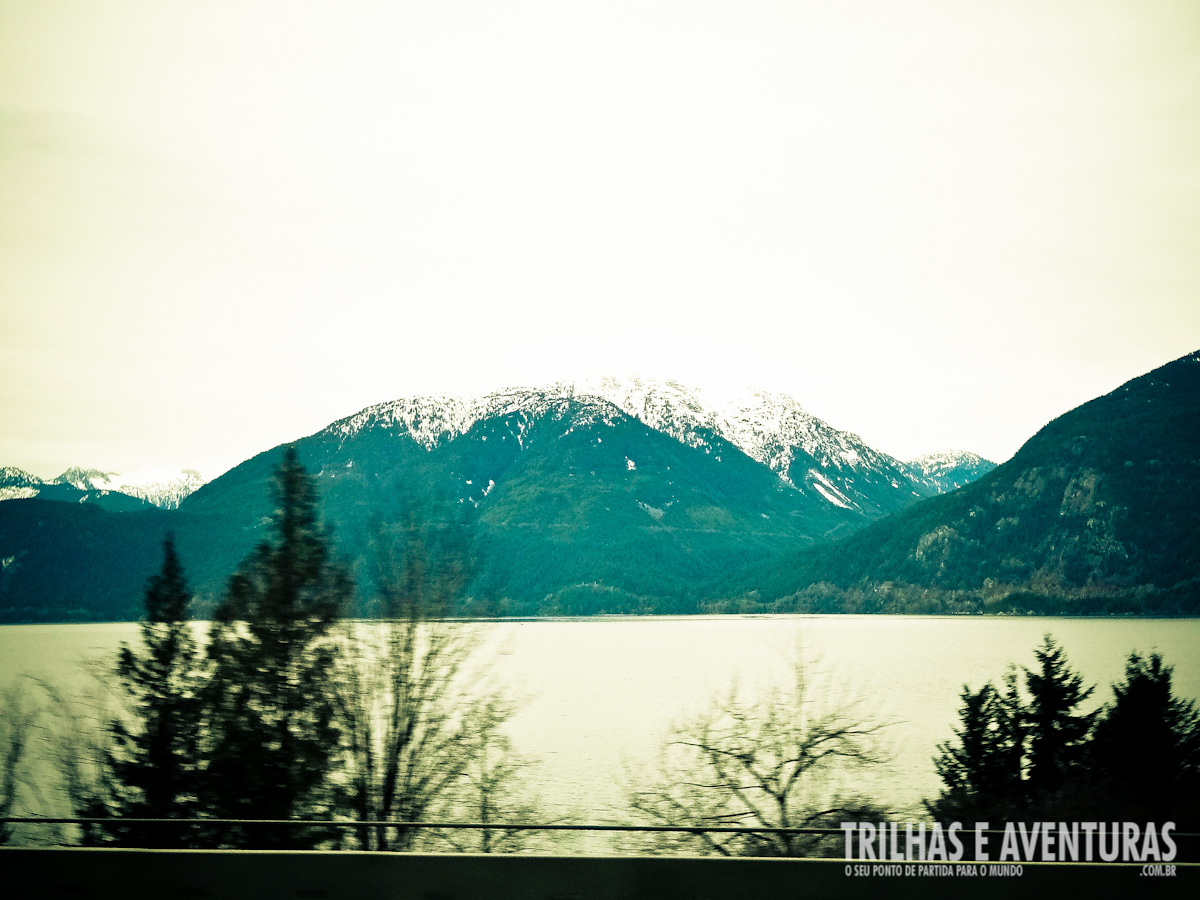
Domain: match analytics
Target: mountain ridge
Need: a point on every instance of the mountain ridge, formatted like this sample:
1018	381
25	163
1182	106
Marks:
1099	511
771	428
110	490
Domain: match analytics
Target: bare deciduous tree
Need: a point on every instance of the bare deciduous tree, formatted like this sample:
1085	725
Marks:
17	718
421	721
767	763
493	791
79	744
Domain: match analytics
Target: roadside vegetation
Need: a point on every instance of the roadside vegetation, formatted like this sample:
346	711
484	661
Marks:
1026	749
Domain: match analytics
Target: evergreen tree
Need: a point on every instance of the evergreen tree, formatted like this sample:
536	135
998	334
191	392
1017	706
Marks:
152	764
1057	732
1145	752
1137	759
271	735
982	769
144	764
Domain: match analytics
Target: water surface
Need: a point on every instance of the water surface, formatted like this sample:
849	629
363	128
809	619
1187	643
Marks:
601	694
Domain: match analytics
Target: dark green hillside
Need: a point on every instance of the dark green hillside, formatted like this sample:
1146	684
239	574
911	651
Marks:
574	507
72	561
1099	511
559	505
611	512
79	562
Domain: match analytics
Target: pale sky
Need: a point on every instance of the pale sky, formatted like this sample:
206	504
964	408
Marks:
937	223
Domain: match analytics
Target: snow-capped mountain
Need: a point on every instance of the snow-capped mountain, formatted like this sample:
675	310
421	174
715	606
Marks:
163	488
555	489
571	491
432	419
773	429
631	496
810	456
951	469
78	485
16	484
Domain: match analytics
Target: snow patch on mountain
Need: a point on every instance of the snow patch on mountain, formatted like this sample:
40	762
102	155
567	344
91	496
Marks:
162	488
432	419
932	463
827	490
768	427
772	429
426	419
11	474
17	493
83	479
17	484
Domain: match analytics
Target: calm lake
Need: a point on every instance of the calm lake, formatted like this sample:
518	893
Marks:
600	694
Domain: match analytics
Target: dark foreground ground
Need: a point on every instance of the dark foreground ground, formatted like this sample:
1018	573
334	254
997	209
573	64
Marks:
124	874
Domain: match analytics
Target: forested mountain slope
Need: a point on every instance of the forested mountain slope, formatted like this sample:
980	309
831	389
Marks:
1099	511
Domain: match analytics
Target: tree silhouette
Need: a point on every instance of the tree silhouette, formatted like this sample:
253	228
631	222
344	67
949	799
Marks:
767	764
1145	752
981	770
143	761
1014	757
271	740
17	719
1057	731
154	760
421	723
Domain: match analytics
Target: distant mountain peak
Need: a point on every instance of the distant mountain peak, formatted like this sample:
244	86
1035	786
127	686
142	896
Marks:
950	469
943	458
84	479
428	419
774	429
162	487
432	418
11	476
17	484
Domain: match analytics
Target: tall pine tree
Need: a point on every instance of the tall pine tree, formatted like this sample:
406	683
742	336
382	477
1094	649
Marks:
151	765
1057	730
982	770
271	735
1145	750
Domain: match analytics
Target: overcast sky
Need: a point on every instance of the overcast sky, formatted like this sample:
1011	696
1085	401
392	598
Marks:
936	223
